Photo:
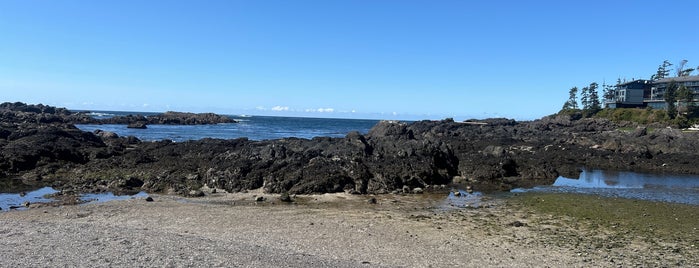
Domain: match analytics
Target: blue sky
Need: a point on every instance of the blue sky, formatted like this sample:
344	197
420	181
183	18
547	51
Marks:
356	59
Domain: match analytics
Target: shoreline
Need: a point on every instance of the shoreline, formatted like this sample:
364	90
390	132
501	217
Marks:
339	230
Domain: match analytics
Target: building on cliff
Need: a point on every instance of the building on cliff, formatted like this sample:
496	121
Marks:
649	93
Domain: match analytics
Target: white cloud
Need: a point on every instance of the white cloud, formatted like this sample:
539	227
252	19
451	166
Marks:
280	108
261	108
320	110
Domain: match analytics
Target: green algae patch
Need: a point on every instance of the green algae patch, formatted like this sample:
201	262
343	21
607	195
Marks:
653	222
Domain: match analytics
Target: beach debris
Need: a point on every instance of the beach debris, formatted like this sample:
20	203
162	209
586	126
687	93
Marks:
196	193
372	200
285	197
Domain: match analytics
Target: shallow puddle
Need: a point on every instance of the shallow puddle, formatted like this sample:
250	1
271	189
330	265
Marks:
105	197
654	187
20	201
463	199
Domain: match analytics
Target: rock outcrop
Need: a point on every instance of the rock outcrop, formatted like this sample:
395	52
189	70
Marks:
39	147
167	118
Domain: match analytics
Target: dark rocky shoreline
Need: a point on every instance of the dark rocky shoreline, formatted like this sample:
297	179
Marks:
41	146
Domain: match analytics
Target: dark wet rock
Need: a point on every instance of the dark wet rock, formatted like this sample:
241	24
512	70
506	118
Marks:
26	204
137	125
518	224
372	200
40	146
167	118
260	199
149	199
106	134
285	197
196	193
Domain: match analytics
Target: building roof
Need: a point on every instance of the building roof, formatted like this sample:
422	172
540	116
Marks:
692	78
641	81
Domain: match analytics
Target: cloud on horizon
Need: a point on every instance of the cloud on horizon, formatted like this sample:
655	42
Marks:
321	110
280	108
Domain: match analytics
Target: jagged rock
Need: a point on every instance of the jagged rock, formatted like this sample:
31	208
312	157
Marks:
39	145
137	125
106	134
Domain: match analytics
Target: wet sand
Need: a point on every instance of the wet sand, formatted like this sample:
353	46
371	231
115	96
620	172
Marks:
332	230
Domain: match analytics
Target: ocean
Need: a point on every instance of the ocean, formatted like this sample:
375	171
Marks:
252	127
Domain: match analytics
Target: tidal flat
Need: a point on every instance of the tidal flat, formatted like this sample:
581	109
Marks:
343	230
649	233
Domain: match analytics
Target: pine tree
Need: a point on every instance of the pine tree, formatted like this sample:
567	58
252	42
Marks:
572	103
594	101
585	98
685	98
609	92
663	71
670	99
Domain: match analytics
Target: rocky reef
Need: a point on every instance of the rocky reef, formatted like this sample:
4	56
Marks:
167	118
40	145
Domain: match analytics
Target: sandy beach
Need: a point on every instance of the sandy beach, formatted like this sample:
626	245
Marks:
331	230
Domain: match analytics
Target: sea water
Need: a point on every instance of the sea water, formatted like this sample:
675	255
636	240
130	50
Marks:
251	127
655	187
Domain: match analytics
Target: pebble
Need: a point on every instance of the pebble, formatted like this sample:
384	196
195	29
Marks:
518	224
149	199
372	200
260	198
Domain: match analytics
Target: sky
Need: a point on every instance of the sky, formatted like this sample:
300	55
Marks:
379	59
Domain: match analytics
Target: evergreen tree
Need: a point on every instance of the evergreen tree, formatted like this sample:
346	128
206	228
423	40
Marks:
671	98
585	98
681	71
609	92
685	98
663	71
594	101
572	102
